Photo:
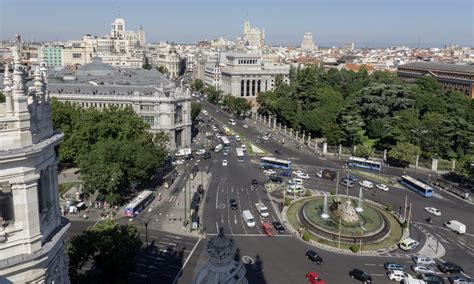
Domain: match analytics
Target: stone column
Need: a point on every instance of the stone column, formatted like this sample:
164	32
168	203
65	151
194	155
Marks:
279	126
325	148
309	140
274	123
434	165
269	121
302	138
296	135
291	131
454	165
285	129
385	154
340	149
416	161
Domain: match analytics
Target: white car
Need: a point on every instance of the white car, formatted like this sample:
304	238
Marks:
319	174
296	181
295	188
237	138
433	211
421	269
243	147
297	172
366	184
382	187
423	260
224	163
269	172
245	126
302	175
398	275
266	138
218	136
201	151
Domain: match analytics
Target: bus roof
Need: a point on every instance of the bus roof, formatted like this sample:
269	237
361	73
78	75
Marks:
144	194
275	159
417	182
358	159
225	140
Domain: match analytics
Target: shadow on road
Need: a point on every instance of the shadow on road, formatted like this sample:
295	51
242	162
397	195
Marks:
255	270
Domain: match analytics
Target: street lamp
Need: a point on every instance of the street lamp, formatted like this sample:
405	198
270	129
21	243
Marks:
145	222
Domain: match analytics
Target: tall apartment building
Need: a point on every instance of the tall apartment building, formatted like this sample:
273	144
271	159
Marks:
308	42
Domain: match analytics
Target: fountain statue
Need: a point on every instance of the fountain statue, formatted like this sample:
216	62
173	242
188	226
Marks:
325	214
344	210
359	202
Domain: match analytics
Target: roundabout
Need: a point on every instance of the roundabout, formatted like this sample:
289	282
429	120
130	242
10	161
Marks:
345	221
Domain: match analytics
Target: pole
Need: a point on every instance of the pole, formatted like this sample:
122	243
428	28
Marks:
185	198
347	185
339	243
405	208
146	249
409	213
189	187
337	182
361	235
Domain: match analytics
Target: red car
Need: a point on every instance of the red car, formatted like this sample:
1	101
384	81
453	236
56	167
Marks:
314	278
267	229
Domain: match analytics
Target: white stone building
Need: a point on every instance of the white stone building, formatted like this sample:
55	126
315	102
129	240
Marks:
32	231
153	97
308	42
253	37
244	75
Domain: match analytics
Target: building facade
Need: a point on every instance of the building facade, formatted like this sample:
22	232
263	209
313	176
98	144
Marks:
32	231
244	75
253	37
450	76
308	42
151	95
53	55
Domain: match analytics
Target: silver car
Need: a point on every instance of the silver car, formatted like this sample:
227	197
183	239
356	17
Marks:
421	260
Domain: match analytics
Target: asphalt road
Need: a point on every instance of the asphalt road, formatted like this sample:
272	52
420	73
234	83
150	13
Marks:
283	257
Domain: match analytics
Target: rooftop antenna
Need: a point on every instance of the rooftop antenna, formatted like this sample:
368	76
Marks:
119	11
418	42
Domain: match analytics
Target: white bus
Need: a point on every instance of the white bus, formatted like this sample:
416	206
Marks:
270	162
364	164
225	142
139	203
240	155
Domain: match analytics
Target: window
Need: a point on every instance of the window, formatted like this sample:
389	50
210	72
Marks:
149	119
6	203
76	55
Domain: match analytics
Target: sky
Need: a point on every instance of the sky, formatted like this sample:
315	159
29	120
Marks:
367	23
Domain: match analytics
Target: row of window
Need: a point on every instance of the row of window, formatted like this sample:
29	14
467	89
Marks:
247	61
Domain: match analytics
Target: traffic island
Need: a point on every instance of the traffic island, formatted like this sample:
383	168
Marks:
343	224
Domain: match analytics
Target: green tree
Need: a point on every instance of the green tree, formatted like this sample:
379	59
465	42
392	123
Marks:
213	95
147	64
195	110
111	248
405	152
241	106
162	70
363	151
197	85
465	167
2	97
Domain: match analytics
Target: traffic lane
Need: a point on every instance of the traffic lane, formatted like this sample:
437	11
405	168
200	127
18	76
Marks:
283	260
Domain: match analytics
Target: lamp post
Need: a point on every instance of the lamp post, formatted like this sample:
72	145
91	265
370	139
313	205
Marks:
145	222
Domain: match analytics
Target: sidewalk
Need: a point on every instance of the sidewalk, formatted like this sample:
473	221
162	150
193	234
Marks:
173	221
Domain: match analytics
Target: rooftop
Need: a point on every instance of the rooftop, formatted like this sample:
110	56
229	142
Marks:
440	67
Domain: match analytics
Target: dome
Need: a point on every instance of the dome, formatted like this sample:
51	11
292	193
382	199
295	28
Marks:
96	68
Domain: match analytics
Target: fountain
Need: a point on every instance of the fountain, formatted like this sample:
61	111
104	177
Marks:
325	214
359	202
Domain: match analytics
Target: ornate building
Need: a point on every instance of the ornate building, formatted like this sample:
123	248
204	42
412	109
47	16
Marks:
152	96
253	37
220	267
32	231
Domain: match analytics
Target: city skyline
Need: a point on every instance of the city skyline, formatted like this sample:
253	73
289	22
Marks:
404	22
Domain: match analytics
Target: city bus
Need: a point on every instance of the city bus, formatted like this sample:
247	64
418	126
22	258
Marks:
139	203
227	131
240	155
364	164
270	162
225	142
417	186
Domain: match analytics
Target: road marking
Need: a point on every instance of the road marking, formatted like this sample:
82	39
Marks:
217	227
254	235
217	198
235	219
376	274
174	237
222	219
187	259
370	264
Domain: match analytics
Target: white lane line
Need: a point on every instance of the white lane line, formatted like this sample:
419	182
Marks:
255	235
253	211
370	264
187	259
377	274
217	197
174	237
222	218
217	227
240	208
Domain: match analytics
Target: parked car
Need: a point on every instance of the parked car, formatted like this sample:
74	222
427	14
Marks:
360	275
278	227
254	182
366	184
267	229
269	172
245	126
393	266
347	182
352	177
296	181
433	211
314	257
430	278
201	151
421	269
460	279
265	137
449	267
423	260
224	163
275	178
398	275
233	204
302	175
382	187
314	278
207	155
328	174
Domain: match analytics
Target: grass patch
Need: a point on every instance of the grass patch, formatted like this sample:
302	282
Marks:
373	176
250	146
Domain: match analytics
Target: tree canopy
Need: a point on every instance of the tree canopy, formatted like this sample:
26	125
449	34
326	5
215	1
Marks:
374	111
111	248
112	147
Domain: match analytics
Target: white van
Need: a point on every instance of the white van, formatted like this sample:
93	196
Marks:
218	148
366	184
408	244
412	281
456	226
248	218
183	152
